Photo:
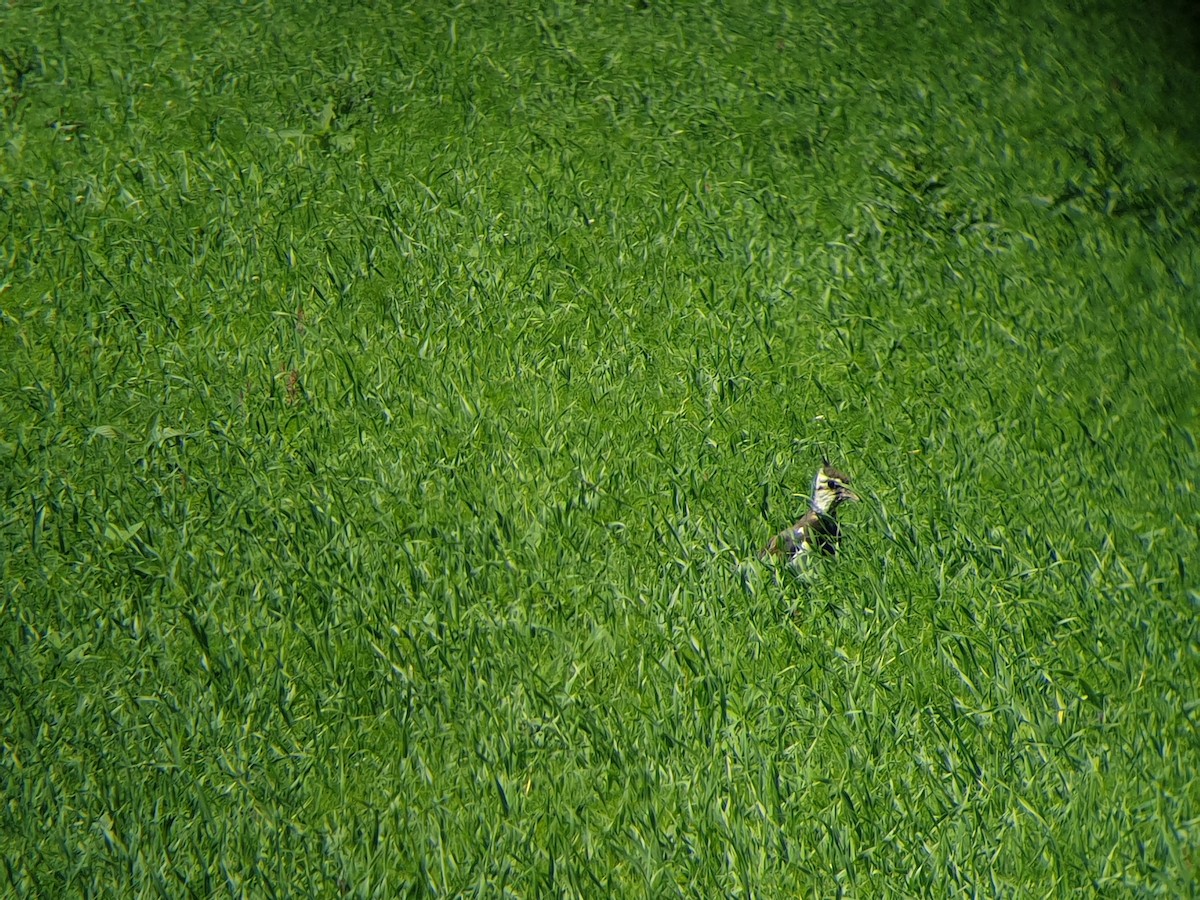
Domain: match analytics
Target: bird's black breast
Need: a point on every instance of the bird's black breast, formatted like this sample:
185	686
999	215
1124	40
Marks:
824	534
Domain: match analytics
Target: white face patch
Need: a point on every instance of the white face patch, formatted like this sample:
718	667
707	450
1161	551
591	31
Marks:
825	495
829	489
818	482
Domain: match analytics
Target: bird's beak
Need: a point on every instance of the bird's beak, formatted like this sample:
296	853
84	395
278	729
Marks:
848	494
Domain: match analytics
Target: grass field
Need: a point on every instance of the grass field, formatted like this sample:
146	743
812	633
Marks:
393	400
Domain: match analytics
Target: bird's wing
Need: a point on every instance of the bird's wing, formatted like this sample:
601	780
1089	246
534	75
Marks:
783	544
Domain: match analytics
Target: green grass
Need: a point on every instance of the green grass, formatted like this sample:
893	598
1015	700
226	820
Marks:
393	401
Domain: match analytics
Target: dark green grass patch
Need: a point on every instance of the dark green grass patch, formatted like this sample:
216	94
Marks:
393	403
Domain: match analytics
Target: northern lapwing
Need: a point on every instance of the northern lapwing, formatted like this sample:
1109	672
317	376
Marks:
817	529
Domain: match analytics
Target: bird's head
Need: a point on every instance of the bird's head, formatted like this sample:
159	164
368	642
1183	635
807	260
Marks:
830	487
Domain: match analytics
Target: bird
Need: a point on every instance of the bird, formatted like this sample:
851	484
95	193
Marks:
818	528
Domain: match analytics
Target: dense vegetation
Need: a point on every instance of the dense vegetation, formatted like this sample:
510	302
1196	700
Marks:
393	399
